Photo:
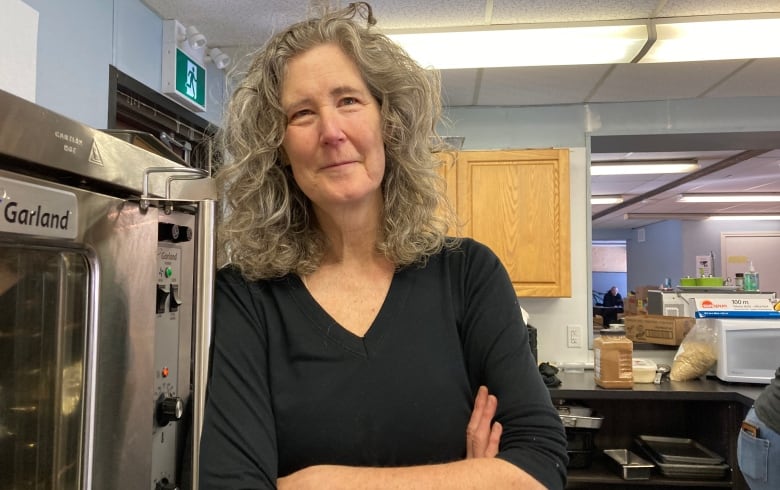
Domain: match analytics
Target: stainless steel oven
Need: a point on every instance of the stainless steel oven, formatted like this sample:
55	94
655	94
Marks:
106	260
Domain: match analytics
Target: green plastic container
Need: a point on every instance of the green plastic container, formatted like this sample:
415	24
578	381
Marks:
709	281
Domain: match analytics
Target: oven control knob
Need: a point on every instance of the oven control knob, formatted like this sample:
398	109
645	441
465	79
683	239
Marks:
169	409
171	232
164	484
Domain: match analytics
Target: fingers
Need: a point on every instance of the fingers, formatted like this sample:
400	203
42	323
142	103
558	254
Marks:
495	439
482	435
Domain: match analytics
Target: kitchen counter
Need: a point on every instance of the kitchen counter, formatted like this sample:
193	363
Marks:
708	411
583	386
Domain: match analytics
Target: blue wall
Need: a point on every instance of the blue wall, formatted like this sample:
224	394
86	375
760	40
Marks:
658	257
79	39
603	282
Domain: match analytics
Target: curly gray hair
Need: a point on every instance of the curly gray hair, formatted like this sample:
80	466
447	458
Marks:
267	228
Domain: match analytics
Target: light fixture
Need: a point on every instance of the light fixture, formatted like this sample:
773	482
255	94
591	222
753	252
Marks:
697	38
195	38
525	45
646	167
663	216
714	38
702	216
605	200
730	197
744	217
220	59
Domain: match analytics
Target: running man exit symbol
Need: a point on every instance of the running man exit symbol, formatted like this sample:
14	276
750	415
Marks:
190	79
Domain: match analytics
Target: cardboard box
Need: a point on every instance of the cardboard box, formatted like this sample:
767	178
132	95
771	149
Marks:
641	292
658	329
635	306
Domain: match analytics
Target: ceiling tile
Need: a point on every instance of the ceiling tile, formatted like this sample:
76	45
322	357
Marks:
652	81
758	78
458	87
539	85
535	11
684	8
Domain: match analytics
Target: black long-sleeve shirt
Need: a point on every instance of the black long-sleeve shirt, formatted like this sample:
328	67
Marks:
290	388
767	404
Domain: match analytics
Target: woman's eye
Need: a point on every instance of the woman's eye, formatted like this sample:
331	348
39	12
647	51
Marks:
300	114
349	101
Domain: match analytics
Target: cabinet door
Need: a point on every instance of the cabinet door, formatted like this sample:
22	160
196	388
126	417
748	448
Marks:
517	203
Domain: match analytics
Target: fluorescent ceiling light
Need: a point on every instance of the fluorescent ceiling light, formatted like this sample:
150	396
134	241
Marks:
689	39
701	216
730	197
642	168
661	216
605	200
530	45
745	217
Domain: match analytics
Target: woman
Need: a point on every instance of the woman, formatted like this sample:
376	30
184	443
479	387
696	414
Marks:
351	335
758	444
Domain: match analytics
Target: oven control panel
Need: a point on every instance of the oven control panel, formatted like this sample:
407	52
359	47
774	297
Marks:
173	334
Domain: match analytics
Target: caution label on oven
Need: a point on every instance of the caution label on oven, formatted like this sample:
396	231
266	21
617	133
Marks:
31	209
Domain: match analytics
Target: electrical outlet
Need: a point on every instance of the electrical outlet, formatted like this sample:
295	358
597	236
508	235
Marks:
574	336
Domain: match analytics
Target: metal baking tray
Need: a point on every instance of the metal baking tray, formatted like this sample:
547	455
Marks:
679	450
628	464
581	422
687	470
575	410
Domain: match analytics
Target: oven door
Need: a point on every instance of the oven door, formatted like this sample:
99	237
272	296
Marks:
44	325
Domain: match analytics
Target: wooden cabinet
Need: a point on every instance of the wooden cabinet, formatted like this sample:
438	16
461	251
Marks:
517	203
707	411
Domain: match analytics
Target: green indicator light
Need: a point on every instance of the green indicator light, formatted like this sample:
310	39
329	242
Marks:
168	272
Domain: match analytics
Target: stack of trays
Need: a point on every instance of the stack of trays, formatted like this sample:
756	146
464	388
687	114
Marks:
581	426
629	465
678	457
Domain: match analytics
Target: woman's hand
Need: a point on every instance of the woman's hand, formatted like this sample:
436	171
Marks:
482	436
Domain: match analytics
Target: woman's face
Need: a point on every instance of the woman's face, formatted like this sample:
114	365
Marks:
333	139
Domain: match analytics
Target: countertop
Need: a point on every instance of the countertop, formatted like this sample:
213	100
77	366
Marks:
583	386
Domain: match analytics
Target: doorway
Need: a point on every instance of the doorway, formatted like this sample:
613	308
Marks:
609	267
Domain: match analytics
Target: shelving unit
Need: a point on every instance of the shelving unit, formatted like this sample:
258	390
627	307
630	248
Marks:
707	411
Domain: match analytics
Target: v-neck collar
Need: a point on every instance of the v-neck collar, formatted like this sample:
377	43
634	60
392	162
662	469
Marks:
364	346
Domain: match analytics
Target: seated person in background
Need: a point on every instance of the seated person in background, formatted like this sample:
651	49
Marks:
612	299
355	344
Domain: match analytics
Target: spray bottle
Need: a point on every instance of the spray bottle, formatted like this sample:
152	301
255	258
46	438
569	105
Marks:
751	278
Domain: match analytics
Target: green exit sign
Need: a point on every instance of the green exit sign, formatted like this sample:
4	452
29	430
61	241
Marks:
184	79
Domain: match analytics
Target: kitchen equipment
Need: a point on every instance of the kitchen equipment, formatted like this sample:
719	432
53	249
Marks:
628	465
682	458
581	425
747	348
579	417
105	292
662	371
679	450
682	301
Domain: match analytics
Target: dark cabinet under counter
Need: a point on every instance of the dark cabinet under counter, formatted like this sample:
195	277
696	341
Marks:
706	410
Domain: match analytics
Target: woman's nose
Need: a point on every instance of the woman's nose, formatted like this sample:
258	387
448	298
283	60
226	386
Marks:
331	127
